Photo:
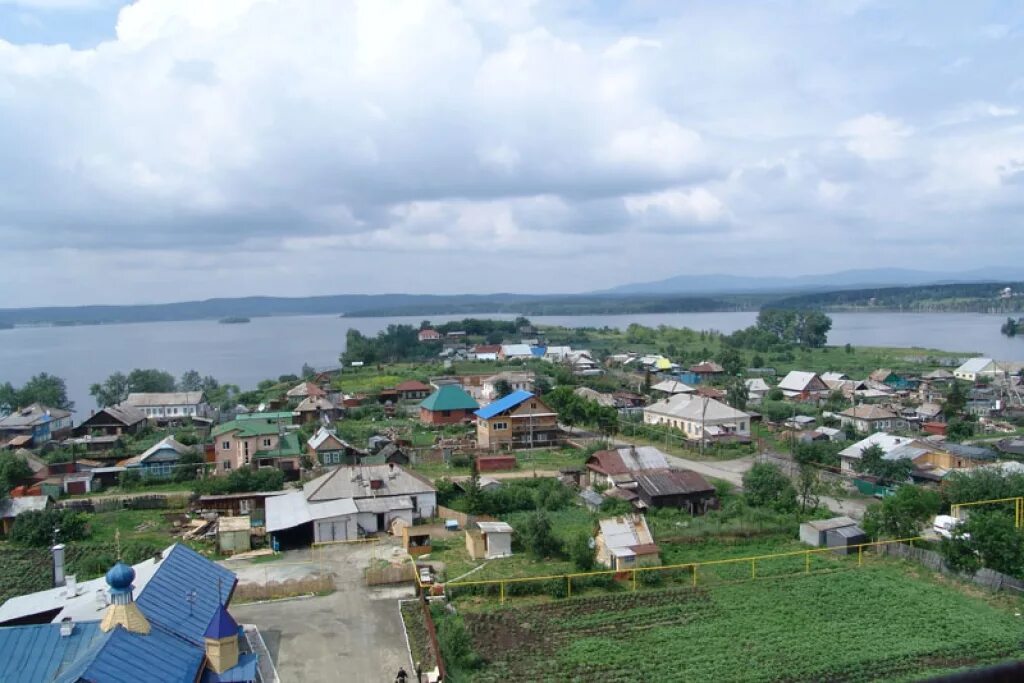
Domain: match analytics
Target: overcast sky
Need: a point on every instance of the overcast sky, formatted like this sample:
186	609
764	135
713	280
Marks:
171	150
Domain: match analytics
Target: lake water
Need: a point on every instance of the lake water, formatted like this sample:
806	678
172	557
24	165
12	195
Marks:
267	347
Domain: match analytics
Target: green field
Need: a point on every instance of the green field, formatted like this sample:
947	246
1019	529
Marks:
880	622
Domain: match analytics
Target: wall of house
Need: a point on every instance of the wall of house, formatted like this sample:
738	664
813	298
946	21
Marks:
475	545
340	528
498	545
233	449
368	520
444	417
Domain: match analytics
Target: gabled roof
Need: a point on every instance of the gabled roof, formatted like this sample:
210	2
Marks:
314	404
304	389
32	415
412	385
975	365
621	534
355	482
324	435
672	386
798	380
516	350
172	398
666	482
686	407
502	404
166	443
252	426
708	366
887	442
628	459
757	384
868	412
449	397
125	414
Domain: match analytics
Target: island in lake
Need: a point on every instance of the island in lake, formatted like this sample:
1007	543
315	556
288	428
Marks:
233	320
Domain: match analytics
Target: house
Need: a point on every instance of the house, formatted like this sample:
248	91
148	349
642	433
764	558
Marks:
682	489
428	335
515	352
800	422
889	443
628	401
757	389
831	433
519	420
163	620
803	386
625	542
945	457
982	401
707	370
304	390
489	540
582	364
871	418
672	387
113	420
603	400
657	363
699	418
171	406
256	442
12	506
348	502
929	412
450	404
326	448
617	467
834	377
161	459
517	381
486	351
976	368
893	380
317	409
35	425
413	390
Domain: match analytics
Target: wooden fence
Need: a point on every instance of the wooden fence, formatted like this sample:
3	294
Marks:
391	574
933	560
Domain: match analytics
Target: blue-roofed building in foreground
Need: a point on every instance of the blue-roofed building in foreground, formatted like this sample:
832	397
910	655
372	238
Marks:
519	420
165	619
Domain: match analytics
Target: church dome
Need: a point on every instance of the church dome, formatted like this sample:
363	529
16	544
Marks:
120	577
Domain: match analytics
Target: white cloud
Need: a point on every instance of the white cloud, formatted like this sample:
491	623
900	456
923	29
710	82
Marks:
875	137
678	207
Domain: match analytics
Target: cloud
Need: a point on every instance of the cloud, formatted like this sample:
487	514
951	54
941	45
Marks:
478	141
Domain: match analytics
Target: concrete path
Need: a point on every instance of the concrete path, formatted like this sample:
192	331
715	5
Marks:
354	634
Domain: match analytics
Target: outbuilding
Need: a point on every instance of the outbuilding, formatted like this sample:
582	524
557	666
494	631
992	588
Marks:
234	535
815	532
489	540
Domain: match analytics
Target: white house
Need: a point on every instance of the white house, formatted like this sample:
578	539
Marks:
518	381
757	389
893	447
174	405
976	368
698	416
673	387
803	385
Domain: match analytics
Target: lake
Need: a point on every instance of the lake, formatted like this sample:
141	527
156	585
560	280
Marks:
244	354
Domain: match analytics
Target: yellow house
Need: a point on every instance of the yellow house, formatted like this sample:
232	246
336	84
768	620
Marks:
519	420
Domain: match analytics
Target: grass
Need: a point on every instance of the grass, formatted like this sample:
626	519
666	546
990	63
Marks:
885	621
134	525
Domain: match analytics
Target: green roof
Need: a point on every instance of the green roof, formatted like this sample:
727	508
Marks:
287	448
250	427
449	397
285	416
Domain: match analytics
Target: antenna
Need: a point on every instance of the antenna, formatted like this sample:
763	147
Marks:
117	543
190	598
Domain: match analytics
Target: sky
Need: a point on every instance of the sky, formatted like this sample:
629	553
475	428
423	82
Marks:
174	150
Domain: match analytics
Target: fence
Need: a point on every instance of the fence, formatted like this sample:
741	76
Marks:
933	560
958	511
155	501
391	574
275	590
793	563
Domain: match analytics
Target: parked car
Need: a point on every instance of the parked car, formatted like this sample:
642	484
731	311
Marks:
944	525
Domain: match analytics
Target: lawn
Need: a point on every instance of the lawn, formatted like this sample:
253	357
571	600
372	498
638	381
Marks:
880	622
148	526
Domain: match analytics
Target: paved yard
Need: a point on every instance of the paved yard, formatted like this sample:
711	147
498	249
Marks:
354	634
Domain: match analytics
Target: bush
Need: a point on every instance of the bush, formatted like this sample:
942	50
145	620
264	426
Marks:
242	481
456	644
36	527
767	486
130	479
581	552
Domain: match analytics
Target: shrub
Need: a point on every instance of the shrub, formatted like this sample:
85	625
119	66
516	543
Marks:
36	527
580	552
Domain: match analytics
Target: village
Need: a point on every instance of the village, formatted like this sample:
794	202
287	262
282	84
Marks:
469	470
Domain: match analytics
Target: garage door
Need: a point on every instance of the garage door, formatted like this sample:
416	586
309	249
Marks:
75	487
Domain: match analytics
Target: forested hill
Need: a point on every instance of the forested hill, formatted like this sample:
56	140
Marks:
963	298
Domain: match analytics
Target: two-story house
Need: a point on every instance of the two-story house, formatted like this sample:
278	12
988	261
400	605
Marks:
519	420
256	442
35	425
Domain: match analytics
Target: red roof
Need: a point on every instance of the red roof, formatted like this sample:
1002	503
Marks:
607	462
709	367
487	348
412	385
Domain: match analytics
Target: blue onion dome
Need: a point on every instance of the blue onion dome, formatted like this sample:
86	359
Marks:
120	576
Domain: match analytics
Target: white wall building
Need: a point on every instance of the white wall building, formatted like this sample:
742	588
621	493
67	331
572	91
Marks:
174	405
698	415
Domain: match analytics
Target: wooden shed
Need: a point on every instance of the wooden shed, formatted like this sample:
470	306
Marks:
414	541
234	535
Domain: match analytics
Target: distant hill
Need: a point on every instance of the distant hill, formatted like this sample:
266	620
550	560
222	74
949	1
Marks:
947	298
695	285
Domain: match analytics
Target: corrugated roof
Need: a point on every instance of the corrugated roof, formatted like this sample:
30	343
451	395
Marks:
449	397
672	386
125	657
503	404
684	406
412	385
868	412
975	365
11	507
252	427
172	398
354	482
31	654
672	482
292	509
31	415
495	527
166	443
125	414
797	380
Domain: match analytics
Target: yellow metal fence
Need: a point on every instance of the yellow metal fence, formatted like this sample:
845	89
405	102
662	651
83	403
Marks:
1018	508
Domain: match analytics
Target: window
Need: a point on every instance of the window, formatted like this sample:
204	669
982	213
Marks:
266	442
225	445
499	425
533	405
227	464
446	413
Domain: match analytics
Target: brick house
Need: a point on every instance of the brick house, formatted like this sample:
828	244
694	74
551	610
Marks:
519	420
450	404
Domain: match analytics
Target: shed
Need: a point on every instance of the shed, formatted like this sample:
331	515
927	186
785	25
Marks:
845	539
234	534
415	542
815	531
493	463
489	540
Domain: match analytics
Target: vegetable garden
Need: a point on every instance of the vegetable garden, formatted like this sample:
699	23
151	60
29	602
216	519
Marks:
877	623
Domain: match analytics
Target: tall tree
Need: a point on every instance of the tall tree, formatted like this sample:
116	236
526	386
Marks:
872	461
44	388
112	391
190	380
737	395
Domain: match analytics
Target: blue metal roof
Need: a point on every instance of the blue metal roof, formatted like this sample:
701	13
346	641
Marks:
243	672
131	657
222	625
183	570
503	404
538	351
38	652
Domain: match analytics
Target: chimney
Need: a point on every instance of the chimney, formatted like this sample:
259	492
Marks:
72	586
58	564
67	627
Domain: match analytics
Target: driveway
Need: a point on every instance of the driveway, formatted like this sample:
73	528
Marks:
353	634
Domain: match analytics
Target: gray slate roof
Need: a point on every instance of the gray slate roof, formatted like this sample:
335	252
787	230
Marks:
354	482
